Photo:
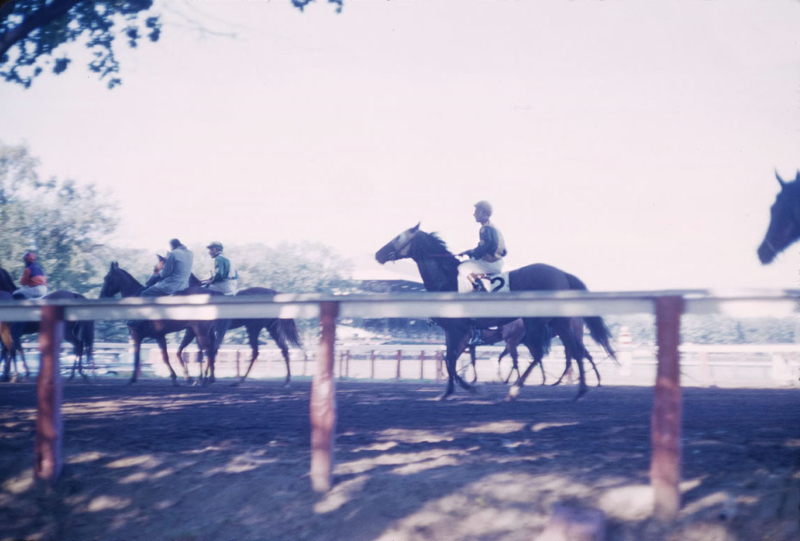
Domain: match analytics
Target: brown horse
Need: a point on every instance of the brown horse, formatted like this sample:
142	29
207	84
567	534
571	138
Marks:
438	268
513	334
78	333
282	331
118	281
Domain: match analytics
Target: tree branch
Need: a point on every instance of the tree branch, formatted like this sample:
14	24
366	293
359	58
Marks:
35	20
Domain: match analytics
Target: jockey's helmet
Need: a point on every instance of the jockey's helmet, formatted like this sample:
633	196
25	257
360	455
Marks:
215	244
29	257
485	205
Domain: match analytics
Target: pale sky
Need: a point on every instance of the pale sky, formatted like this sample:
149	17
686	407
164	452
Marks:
631	143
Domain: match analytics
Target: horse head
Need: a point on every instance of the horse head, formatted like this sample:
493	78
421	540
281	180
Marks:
784	224
399	247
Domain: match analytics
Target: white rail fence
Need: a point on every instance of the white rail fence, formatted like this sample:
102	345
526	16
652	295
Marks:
668	306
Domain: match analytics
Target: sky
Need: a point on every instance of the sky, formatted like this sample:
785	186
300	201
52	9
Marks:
631	143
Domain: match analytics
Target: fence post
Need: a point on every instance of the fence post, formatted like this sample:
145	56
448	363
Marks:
399	358
625	352
422	364
665	432
347	365
238	354
372	365
49	392
323	402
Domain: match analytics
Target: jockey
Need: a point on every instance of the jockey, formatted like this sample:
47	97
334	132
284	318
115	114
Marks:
34	282
487	257
225	278
174	273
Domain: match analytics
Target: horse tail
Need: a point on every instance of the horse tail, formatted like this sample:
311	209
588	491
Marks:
286	329
86	336
600	334
596	325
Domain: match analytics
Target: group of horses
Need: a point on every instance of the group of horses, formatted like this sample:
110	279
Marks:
438	268
209	334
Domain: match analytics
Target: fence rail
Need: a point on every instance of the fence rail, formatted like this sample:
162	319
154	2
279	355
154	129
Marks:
668	306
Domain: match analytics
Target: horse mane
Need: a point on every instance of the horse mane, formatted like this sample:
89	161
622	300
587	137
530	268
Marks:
430	244
128	275
6	282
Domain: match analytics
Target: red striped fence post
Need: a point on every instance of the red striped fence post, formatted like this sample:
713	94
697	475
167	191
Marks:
49	425
665	464
323	402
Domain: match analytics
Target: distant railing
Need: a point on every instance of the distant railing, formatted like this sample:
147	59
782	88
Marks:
668	306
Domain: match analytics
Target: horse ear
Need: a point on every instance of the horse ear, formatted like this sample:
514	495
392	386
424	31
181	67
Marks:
780	180
415	228
160	257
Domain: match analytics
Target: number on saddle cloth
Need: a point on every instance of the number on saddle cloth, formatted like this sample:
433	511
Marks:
491	283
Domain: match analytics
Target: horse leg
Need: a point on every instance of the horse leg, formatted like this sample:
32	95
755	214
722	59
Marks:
573	349
137	365
535	340
206	343
472	361
24	362
594	366
161	339
273	331
456	337
188	336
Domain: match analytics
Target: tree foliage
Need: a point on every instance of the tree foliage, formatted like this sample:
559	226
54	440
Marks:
32	31
66	223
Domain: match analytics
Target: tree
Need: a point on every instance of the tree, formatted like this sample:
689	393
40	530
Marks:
66	223
32	30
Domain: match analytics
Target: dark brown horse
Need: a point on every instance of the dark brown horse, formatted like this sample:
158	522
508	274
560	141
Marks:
784	223
283	331
439	269
513	334
119	282
78	333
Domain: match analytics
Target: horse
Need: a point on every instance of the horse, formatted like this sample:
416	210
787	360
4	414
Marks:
281	330
79	333
119	281
438	268
784	223
513	335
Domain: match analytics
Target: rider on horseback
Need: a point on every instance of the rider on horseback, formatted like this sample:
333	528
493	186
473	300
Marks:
225	277
487	257
174	274
34	281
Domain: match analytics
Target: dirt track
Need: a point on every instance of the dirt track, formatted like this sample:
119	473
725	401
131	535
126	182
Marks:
153	462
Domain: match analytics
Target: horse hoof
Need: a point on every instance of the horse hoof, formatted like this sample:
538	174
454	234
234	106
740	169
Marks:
581	392
513	393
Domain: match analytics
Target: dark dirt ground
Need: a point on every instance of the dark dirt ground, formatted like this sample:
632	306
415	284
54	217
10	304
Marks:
152	462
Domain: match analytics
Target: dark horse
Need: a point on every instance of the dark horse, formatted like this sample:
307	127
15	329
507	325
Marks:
784	223
283	331
78	333
513	334
119	281
439	269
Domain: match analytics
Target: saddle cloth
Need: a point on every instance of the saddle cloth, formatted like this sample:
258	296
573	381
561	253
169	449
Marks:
494	283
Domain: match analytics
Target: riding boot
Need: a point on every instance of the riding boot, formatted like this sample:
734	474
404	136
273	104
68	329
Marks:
477	339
